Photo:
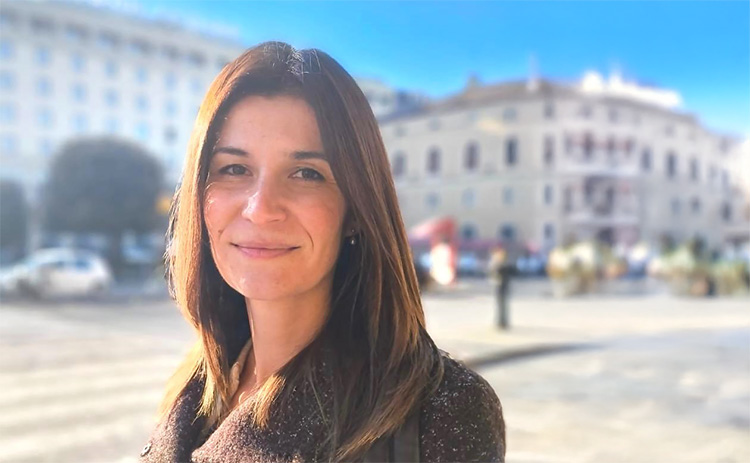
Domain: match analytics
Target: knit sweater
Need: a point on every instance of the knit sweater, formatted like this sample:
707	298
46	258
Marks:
462	421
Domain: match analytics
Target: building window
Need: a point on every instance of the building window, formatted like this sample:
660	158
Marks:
80	123
585	111
170	80
141	103
549	110
588	147
569	144
510	114
171	53
613	115
507	232
111	125
469	232
695	205
7	113
549	233
196	59
399	131
45	147
671	167
646	160
142	131
43	86
42	56
669	130
141	75
8	19
111	98
42	26
725	179
549	150
170	135
107	40
7	81
433	161
170	107
140	47
726	212
611	147
399	164
511	152
694	170
471	157
44	118
110	68
549	194
77	62
712	175
432	200
8	144
676	206
434	124
468	198
629	146
78	91
75	33
196	86
508	195
6	49
568	199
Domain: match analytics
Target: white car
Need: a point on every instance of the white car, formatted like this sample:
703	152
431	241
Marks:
58	272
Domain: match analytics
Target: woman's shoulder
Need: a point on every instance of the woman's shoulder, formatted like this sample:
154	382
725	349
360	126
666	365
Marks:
463	419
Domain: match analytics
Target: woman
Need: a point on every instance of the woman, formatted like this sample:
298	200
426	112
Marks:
289	257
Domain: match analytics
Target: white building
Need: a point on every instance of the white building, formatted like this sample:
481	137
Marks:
68	70
540	161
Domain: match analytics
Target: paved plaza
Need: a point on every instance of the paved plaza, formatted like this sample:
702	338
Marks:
646	378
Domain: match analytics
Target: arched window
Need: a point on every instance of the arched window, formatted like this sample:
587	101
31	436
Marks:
433	161
471	156
399	164
646	160
469	232
507	232
671	165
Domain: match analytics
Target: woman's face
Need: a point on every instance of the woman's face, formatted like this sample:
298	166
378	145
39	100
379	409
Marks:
272	208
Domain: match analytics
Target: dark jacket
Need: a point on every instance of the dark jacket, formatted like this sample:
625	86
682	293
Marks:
462	421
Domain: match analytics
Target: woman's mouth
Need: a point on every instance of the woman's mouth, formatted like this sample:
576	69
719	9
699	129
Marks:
264	251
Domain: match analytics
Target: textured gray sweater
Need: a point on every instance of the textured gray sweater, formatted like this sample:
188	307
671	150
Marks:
462	421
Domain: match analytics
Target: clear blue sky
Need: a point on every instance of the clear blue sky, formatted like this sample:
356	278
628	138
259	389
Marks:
699	48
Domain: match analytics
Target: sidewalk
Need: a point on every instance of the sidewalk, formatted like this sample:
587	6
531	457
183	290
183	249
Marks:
461	319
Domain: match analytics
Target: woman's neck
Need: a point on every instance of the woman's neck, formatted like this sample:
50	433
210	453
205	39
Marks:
280	329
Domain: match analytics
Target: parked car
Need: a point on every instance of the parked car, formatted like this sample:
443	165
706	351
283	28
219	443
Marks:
58	272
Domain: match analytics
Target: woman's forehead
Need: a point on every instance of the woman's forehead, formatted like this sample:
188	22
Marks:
274	122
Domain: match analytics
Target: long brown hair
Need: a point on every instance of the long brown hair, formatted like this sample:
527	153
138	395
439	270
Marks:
385	362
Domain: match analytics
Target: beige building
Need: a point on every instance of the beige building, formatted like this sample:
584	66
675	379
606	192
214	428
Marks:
70	70
540	161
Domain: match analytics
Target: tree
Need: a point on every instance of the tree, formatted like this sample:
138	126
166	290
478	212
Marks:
14	216
105	185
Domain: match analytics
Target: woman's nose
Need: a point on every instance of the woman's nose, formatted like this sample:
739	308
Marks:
264	203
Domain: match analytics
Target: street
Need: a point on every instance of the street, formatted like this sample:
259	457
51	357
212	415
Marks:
645	378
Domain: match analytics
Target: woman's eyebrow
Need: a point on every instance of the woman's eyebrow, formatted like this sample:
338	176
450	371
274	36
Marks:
230	150
303	155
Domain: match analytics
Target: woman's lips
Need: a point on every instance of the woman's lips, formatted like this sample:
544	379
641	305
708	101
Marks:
263	253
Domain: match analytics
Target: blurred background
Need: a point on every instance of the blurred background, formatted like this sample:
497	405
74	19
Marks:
574	176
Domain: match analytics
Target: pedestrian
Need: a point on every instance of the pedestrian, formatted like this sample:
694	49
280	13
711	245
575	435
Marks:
289	258
501	270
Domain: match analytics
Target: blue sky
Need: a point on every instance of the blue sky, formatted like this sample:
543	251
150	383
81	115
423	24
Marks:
699	48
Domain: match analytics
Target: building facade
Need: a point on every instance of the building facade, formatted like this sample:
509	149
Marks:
542	162
69	70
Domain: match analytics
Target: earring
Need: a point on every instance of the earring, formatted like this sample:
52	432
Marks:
353	239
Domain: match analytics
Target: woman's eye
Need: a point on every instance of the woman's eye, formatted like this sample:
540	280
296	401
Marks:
308	174
234	169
